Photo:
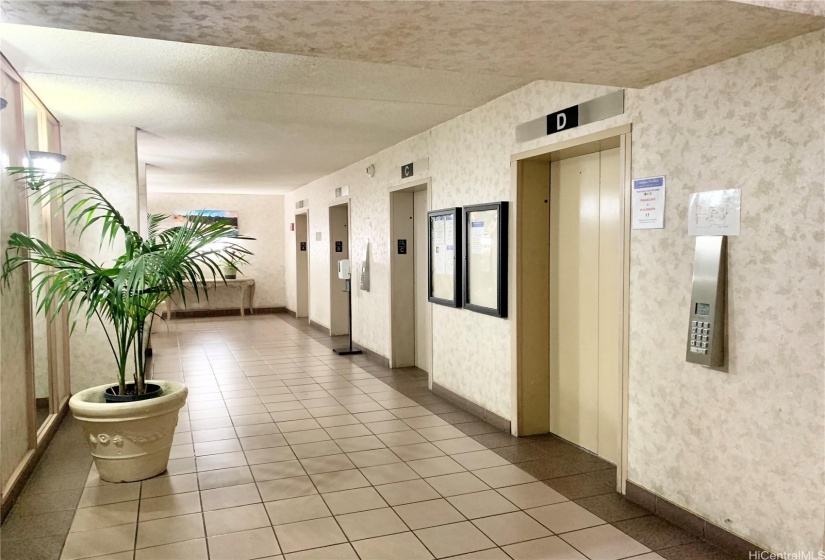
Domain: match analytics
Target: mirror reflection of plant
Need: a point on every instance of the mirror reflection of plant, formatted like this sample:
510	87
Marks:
123	294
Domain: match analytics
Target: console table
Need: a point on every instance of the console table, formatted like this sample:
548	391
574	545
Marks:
243	285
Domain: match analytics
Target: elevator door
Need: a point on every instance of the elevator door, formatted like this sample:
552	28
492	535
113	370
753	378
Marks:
585	280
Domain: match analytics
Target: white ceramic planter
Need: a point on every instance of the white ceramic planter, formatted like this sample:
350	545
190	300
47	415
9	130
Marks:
129	441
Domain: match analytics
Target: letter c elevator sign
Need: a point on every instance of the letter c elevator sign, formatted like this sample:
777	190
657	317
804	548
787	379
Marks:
563	120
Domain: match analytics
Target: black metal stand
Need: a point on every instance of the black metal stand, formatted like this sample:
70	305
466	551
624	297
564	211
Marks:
348	351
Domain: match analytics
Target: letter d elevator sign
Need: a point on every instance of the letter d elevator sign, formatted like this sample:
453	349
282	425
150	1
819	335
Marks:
562	120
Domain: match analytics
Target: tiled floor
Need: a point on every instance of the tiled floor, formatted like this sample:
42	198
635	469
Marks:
286	450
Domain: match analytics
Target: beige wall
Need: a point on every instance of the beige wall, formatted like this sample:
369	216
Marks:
104	157
744	448
259	216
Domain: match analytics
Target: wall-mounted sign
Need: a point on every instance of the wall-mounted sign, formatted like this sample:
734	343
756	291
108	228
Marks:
648	203
598	109
292	226
485	258
339	246
444	257
419	167
715	212
341	191
402	246
407	170
303	245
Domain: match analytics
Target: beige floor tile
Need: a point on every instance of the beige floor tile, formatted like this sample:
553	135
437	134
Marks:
316	449
420	515
397	439
232	520
489	554
531	495
550	548
435	466
256	430
215	434
648	556
306	436
407	492
441	432
449	540
604	542
109	494
367	417
218	446
224	477
402	546
339	480
342	420
209	424
371	523
281	489
298	425
411	412
169	506
181	451
297	509
387	474
328	463
480	460
417	451
481	504
348	431
251	419
336	552
230	496
350	501
360	443
99	517
386	427
221	461
170	530
323	411
285	415
269	455
244	545
459	445
263	441
309	534
99	542
425	421
499	477
167	485
510	528
564	517
180	466
274	471
190	550
455	484
373	457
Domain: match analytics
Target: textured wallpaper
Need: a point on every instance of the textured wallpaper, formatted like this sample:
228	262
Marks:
104	157
261	217
743	448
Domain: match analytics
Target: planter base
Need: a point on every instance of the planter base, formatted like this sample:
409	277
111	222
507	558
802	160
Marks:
129	441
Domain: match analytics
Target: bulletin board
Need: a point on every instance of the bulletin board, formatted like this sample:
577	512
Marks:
485	260
444	256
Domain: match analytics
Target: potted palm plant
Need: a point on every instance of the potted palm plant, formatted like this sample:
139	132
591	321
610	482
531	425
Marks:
128	425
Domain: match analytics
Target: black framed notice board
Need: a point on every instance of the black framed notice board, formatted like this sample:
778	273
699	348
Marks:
485	258
444	257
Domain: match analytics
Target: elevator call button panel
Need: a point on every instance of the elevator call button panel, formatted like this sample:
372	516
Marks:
706	331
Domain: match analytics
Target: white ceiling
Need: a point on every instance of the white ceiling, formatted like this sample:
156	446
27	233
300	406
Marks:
216	119
223	110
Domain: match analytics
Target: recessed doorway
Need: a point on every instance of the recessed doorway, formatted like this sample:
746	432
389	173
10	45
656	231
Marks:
571	245
411	323
302	264
338	250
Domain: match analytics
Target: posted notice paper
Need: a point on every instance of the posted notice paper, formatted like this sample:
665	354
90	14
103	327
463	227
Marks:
649	203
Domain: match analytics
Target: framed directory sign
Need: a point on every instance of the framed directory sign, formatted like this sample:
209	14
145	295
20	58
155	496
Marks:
485	258
444	257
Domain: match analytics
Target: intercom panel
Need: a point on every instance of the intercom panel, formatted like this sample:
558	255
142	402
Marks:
706	326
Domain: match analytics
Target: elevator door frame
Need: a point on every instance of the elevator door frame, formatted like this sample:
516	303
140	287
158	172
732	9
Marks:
302	215
529	289
410	186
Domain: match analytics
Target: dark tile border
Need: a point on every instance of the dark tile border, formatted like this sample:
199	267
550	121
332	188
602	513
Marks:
14	492
690	522
482	413
234	312
371	355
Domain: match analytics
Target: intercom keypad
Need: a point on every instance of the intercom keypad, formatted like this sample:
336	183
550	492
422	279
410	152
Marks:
699	336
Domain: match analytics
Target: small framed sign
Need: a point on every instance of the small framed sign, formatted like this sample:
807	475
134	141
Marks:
485	258
444	257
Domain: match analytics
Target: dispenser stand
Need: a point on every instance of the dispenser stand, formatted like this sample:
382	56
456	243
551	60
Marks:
348	351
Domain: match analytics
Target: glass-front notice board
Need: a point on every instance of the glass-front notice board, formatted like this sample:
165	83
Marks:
444	274
485	261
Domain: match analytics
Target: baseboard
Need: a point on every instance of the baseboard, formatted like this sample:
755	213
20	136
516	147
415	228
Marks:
319	327
233	312
471	407
691	523
24	470
372	355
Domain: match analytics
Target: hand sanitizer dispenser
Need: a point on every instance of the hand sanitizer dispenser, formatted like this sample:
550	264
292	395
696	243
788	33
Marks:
343	269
